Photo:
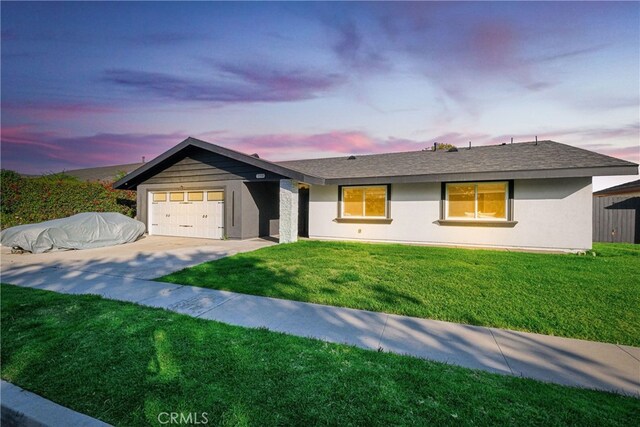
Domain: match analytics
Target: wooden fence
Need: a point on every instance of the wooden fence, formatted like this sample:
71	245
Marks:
616	219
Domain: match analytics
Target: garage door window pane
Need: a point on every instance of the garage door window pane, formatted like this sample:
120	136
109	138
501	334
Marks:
176	197
159	197
195	196
213	196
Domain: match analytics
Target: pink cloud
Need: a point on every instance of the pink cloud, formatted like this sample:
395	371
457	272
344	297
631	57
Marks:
28	150
24	135
496	51
492	45
632	130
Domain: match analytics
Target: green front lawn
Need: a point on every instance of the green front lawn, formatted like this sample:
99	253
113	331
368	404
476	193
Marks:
593	298
126	364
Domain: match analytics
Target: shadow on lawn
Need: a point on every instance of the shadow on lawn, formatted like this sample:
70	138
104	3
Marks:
550	359
166	366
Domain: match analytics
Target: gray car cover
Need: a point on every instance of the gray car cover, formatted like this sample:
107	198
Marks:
82	231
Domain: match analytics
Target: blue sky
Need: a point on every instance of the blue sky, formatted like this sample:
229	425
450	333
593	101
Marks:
89	84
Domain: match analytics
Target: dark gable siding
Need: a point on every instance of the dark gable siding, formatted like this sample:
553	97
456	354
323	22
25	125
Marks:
203	166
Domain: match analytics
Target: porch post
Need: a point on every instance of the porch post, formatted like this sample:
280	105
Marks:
288	211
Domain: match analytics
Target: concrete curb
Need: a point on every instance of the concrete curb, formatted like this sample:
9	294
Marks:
19	407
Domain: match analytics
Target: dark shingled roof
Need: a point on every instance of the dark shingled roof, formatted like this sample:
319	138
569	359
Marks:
525	160
627	187
515	160
102	173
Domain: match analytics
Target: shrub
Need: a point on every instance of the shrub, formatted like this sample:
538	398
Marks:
445	147
10	189
25	200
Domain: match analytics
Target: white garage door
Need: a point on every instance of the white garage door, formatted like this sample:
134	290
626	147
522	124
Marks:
194	213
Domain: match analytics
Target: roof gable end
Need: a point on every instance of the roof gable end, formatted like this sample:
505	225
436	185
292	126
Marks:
177	153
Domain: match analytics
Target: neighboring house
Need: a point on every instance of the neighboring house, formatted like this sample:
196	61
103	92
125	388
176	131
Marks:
616	214
103	173
531	195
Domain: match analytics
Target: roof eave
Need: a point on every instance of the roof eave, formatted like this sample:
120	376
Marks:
627	187
631	169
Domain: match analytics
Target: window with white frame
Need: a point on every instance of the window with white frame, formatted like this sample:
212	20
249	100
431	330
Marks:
477	201
364	202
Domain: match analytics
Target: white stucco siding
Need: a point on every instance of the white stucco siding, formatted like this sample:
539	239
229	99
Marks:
551	214
288	211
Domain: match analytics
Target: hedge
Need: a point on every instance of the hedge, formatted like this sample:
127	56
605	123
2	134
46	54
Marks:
26	200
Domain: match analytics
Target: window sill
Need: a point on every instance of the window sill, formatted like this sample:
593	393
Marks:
364	220
476	223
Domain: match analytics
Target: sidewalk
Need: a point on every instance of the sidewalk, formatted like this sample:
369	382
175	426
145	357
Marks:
564	361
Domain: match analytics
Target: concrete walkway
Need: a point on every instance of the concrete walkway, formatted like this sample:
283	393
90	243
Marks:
559	360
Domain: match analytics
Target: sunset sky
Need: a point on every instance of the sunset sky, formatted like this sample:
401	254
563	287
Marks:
94	84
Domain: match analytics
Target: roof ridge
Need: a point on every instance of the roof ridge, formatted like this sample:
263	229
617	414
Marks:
419	151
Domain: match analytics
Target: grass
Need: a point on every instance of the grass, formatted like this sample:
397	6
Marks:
593	298
125	364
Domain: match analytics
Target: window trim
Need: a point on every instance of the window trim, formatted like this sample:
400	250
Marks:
444	205
372	219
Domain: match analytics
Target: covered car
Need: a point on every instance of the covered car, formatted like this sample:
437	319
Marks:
81	231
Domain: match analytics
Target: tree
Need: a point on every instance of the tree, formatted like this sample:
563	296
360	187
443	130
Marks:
445	146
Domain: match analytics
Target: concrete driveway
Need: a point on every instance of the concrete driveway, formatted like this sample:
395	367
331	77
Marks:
147	258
